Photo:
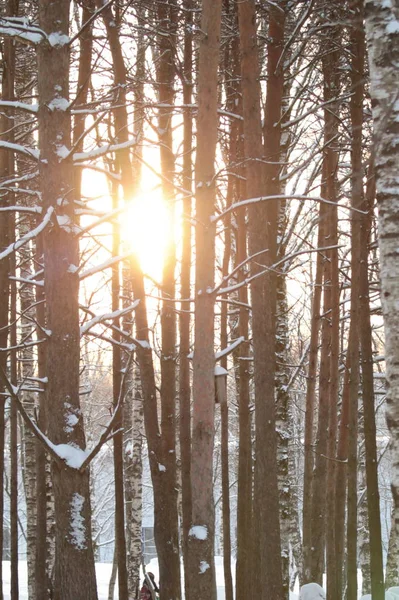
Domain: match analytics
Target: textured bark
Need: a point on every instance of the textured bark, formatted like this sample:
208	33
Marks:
283	426
384	94
133	488
201	551
166	13
320	470
392	567
331	83
14	578
262	235
29	440
42	573
74	560
310	407
244	500
363	536
185	287
382	38
5	170
224	420
341	473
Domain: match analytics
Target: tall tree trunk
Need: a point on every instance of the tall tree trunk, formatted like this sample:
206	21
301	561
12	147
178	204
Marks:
185	288
6	169
382	38
262	236
307	514
74	561
392	566
201	535
383	83
14	583
166	72
320	469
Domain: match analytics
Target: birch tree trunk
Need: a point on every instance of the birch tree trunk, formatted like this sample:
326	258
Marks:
382	34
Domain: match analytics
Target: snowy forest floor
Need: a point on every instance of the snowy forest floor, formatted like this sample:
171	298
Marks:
103	571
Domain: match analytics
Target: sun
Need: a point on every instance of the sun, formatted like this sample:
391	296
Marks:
145	230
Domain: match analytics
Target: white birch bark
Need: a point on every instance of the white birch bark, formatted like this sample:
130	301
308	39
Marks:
382	32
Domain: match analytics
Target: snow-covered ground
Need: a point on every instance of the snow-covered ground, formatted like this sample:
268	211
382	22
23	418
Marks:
103	571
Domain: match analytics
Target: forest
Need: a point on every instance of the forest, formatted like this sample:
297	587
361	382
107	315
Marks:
199	315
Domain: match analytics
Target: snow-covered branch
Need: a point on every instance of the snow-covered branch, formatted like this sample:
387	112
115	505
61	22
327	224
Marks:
20	29
250	201
105	265
277	264
29	236
107	317
25	150
14	395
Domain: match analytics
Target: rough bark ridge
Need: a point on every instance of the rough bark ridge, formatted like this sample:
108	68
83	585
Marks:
74	563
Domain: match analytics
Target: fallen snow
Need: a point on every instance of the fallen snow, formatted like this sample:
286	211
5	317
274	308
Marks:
312	591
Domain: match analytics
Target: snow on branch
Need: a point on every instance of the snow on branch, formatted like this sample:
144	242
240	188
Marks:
30	108
228	350
105	265
273	267
25	150
102	150
29	236
250	201
108	316
14	395
20	29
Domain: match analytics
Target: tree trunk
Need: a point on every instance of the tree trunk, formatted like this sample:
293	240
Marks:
185	287
262	236
201	535
170	584
382	38
74	561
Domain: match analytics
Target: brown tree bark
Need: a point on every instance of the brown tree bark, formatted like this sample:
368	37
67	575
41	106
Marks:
185	290
74	561
262	236
201	535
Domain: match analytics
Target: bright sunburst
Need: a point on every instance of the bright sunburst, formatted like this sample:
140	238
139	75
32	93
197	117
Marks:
144	229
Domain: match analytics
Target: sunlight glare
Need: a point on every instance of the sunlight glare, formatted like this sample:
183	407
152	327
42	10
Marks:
144	230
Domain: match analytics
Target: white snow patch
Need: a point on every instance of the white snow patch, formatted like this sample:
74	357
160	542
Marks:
73	455
220	371
62	151
204	566
72	268
63	220
78	528
71	420
312	591
392	27
199	531
58	104
162	468
58	39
